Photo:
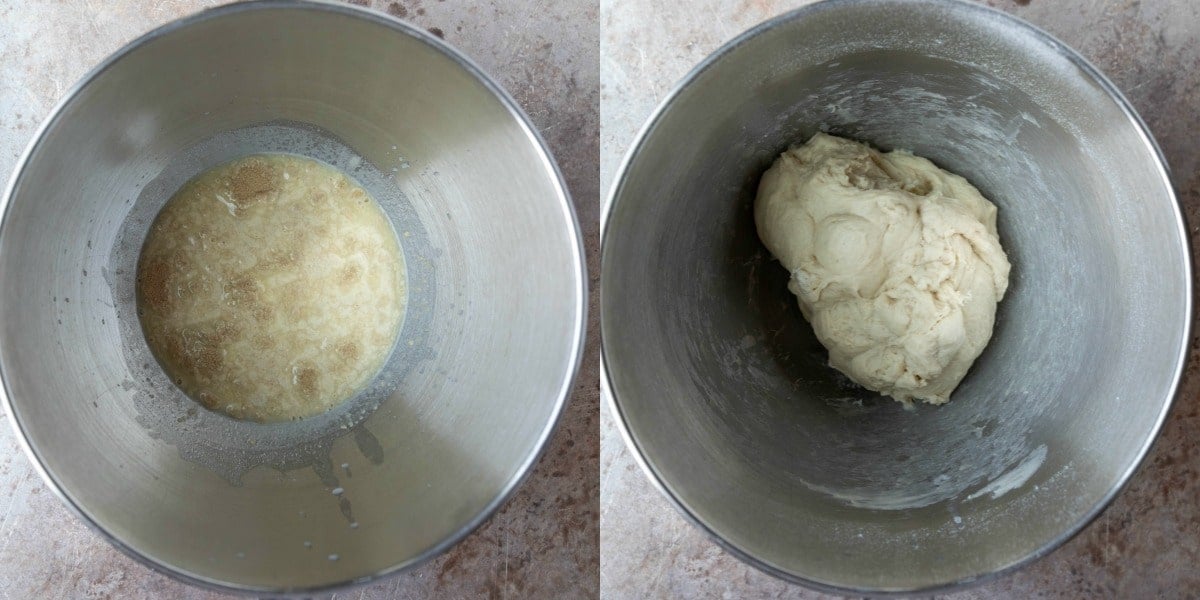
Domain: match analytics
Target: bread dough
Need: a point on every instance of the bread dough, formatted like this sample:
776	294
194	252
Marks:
895	262
271	288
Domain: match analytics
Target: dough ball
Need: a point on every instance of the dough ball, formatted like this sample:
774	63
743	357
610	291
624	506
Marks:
895	262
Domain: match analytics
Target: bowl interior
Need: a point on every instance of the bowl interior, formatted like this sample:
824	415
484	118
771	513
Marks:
724	389
484	358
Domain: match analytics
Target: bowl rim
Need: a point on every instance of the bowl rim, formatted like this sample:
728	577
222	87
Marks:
1033	34
578	331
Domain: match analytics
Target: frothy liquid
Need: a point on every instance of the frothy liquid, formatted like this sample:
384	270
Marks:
271	288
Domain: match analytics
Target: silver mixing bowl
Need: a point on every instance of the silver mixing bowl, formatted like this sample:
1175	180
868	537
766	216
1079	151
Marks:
721	389
486	354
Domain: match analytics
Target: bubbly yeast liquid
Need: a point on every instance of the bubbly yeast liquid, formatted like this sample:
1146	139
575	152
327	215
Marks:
271	288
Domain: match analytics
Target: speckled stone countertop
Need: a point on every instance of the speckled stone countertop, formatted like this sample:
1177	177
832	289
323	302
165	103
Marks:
544	542
1147	544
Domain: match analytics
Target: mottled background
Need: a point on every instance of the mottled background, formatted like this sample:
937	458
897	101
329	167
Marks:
1147	544
544	542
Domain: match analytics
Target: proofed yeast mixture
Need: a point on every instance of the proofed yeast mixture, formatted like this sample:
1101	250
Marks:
271	288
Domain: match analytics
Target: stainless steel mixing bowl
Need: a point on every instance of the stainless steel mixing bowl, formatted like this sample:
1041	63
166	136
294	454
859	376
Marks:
724	394
486	354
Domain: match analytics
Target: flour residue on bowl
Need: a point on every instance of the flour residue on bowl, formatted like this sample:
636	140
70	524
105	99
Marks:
904	498
1015	477
271	288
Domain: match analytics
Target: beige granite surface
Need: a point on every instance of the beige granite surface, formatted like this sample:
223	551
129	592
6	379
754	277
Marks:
1147	544
544	542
